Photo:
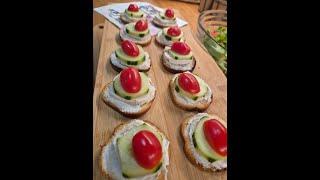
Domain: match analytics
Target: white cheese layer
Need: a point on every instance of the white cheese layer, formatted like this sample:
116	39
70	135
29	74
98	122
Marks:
191	127
132	19
129	106
111	160
117	62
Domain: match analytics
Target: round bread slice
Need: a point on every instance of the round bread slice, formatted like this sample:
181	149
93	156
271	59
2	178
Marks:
189	147
144	108
118	130
200	106
142	43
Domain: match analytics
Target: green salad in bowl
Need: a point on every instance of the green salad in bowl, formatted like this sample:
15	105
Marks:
212	32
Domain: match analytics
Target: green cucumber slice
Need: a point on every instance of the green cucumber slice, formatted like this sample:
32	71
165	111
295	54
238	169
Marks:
130	168
122	93
203	89
123	56
202	146
134	14
130	29
180	57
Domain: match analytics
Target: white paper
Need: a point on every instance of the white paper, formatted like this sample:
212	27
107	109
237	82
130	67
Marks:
112	13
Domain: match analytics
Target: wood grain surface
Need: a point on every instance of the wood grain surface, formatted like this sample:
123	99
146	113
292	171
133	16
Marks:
163	113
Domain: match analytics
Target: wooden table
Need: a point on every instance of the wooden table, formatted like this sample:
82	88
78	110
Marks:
163	113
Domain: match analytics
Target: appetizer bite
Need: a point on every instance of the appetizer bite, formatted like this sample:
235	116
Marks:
137	32
205	141
165	19
131	93
132	14
178	58
137	149
169	35
130	55
190	92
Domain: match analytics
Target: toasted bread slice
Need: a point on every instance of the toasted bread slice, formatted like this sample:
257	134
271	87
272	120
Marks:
158	24
175	71
118	130
189	148
200	106
144	108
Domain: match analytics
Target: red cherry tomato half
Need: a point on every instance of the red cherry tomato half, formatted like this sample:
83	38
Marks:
147	149
141	25
130	80
216	135
174	31
188	83
180	48
133	8
169	13
130	48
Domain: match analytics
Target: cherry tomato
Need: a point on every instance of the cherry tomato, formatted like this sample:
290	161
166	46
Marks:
133	8
216	135
141	25
180	48
130	80
147	149
188	83
130	48
174	31
169	13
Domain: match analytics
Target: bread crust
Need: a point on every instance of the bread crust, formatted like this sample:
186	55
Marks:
119	128
143	109
187	146
174	71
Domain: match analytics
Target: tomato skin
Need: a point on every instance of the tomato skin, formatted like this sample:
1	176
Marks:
180	48
169	13
147	149
216	135
130	80
141	25
130	48
133	8
189	83
174	31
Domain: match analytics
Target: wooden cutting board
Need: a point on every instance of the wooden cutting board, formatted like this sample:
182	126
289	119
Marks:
163	113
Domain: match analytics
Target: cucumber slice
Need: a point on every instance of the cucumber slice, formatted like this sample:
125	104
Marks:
123	56
121	92
130	168
202	145
203	90
180	57
130	29
138	14
171	38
